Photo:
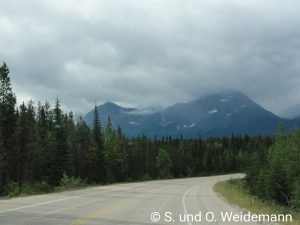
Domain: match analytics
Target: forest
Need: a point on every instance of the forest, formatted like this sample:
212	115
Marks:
42	147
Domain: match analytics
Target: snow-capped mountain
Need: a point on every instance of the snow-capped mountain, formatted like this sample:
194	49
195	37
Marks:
217	114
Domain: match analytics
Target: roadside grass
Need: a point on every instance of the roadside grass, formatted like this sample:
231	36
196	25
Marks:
13	189
235	192
67	183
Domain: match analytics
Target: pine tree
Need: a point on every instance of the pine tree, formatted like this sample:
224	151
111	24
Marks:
114	156
41	161
98	148
109	151
7	128
60	154
70	128
163	164
293	166
83	160
26	143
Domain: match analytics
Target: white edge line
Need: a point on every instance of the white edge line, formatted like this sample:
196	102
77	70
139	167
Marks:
58	200
184	205
42	203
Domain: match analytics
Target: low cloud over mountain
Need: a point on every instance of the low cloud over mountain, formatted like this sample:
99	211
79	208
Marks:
216	114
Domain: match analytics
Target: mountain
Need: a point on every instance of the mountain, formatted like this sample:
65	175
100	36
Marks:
132	121
216	114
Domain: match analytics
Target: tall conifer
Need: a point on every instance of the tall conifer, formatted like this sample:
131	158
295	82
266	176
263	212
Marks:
7	128
98	147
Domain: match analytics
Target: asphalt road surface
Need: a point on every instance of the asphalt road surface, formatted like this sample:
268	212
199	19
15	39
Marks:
180	201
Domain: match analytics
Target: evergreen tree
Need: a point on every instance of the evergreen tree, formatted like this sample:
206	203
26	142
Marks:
70	128
163	164
110	151
7	128
122	148
41	161
177	158
114	156
59	154
26	143
293	167
274	174
98	148
84	155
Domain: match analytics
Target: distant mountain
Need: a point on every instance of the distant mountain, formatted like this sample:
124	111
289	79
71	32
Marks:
217	114
133	122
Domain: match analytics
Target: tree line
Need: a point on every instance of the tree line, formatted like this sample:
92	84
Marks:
274	173
40	145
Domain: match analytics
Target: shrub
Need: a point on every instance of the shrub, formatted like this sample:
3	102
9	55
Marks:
13	189
67	182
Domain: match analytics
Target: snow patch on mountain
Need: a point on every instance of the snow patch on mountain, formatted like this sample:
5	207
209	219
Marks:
192	125
134	123
212	111
224	100
189	126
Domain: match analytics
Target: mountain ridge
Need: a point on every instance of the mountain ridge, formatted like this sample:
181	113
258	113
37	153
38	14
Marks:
217	114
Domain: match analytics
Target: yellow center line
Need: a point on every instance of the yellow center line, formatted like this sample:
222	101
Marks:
100	212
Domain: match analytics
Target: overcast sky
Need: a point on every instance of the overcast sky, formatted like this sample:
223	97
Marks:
151	52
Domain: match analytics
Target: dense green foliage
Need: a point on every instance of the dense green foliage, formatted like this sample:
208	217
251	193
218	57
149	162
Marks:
236	192
42	148
274	173
8	123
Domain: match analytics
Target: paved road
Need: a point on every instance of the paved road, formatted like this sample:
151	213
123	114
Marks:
179	201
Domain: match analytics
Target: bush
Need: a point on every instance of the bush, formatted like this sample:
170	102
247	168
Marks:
296	196
67	182
147	177
13	189
36	188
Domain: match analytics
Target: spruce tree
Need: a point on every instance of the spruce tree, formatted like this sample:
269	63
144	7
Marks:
59	155
70	128
83	158
41	163
163	164
7	128
109	150
114	156
25	143
98	148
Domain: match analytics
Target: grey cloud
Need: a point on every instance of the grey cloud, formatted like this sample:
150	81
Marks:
151	53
